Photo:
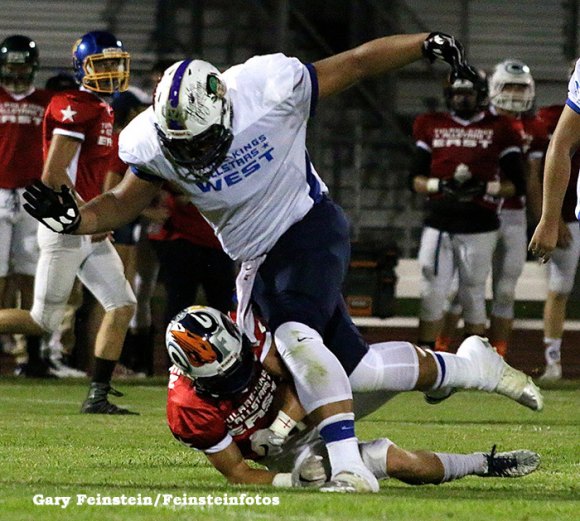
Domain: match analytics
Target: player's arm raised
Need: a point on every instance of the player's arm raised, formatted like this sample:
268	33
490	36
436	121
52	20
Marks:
382	55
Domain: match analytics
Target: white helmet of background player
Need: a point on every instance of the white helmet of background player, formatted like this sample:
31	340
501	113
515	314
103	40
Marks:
208	347
512	87
193	116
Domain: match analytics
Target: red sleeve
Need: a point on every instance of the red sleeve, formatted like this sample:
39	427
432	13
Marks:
117	165
422	129
69	114
511	137
192	420
550	115
539	137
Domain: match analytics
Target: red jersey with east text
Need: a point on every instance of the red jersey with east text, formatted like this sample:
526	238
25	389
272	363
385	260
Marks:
21	137
535	141
84	116
475	146
210	424
550	115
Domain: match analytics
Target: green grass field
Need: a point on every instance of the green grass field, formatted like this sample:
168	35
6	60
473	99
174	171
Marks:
47	448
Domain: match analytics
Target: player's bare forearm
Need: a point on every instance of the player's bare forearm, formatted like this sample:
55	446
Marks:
289	402
534	188
119	206
379	56
60	154
231	464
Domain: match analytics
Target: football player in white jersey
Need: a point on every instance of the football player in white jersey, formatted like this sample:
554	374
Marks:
236	144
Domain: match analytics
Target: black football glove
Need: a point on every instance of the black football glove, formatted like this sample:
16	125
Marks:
465	72
449	188
444	47
56	210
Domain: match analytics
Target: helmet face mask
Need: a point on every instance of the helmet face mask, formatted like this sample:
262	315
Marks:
208	348
100	63
193	117
18	63
512	87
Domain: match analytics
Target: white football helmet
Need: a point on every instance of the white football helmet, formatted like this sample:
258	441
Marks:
193	116
505	75
208	347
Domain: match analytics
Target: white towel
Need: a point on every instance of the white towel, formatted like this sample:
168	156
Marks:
244	285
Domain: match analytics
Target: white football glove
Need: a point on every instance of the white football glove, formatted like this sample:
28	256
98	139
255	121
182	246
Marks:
309	473
266	442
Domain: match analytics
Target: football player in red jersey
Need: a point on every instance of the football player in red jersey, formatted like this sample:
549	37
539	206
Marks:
564	260
235	401
78	144
512	93
466	161
22	108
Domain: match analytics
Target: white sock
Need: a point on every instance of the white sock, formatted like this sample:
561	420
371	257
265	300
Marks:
318	376
454	371
552	350
457	466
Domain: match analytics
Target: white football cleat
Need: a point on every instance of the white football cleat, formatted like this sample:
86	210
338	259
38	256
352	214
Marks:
346	482
496	375
552	372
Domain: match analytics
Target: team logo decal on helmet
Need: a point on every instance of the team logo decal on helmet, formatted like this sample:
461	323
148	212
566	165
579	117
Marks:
209	348
193	118
198	350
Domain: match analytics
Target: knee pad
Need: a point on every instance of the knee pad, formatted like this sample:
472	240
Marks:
318	376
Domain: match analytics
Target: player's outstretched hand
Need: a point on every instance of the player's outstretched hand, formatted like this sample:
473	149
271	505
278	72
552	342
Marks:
309	473
444	47
266	442
56	210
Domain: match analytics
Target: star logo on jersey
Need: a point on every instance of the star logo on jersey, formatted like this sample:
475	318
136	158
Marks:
68	114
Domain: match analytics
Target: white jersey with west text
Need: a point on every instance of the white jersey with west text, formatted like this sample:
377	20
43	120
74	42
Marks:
573	102
267	182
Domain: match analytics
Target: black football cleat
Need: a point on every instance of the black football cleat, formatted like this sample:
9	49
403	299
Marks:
511	464
439	395
97	401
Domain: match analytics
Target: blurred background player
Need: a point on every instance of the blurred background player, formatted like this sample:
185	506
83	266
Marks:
460	158
22	108
512	94
78	144
564	260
